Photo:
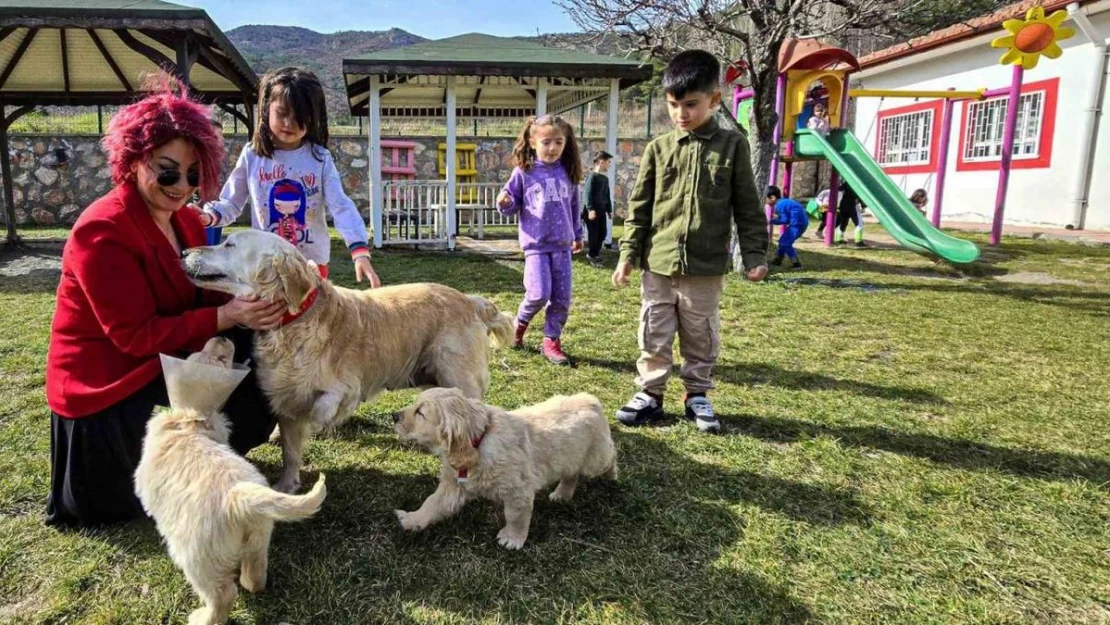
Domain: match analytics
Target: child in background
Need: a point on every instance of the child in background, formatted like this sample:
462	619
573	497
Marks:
543	190
793	215
849	210
599	205
820	211
920	199
289	176
694	184
819	123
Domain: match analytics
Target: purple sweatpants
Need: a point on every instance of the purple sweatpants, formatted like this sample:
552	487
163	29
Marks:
547	283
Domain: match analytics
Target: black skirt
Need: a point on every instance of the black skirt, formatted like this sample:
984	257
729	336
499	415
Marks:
93	459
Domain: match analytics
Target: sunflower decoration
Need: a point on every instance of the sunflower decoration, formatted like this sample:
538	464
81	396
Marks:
1033	36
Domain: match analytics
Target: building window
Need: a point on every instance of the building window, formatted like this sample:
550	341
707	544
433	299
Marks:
986	124
906	139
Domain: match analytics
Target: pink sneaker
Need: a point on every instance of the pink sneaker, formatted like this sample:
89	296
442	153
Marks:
553	351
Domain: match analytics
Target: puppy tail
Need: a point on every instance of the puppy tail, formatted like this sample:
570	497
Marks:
499	324
249	499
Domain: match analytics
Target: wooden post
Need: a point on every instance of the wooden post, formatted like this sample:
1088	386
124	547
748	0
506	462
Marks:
611	147
6	172
99	120
377	197
452	164
541	97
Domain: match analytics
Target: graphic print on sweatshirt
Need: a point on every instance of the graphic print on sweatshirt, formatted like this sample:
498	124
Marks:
543	191
290	204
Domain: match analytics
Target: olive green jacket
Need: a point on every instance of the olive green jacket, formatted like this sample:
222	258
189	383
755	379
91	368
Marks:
691	187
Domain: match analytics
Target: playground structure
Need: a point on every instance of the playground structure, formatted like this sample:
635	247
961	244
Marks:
802	63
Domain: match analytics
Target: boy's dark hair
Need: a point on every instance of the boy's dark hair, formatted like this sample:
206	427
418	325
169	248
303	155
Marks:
301	92
602	156
773	191
692	71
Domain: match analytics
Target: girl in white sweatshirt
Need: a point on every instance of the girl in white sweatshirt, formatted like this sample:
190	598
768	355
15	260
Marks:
289	176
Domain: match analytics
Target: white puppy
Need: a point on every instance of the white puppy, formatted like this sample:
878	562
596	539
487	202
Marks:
505	456
214	509
339	347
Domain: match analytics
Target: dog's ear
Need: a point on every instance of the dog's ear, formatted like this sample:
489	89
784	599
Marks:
457	416
286	277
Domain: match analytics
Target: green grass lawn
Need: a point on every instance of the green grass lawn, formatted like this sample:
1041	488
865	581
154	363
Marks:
903	444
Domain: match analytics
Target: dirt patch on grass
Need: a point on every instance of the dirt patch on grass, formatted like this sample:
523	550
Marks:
36	260
1037	278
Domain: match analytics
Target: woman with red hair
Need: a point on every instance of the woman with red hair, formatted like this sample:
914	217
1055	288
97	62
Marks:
124	298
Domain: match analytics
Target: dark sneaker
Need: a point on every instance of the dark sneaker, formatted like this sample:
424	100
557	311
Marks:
518	337
777	262
553	351
641	410
596	262
860	244
700	410
797	264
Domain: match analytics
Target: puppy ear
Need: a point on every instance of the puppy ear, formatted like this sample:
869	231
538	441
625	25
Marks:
456	420
285	277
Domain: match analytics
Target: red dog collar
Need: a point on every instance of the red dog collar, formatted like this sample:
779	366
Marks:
309	300
463	472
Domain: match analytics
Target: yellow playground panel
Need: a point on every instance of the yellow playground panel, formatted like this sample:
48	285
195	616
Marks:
798	82
466	170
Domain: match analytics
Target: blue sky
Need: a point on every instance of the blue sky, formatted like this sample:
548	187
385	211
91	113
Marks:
428	18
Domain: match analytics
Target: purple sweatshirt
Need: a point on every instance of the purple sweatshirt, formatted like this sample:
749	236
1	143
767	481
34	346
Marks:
548	204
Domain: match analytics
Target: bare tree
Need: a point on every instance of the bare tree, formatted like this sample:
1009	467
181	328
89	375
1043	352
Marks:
754	31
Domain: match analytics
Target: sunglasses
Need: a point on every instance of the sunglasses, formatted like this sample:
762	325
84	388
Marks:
170	177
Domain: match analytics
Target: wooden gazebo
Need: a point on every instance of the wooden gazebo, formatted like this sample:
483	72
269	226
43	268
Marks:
98	52
472	75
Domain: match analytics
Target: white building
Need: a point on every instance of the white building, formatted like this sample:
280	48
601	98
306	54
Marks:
1059	125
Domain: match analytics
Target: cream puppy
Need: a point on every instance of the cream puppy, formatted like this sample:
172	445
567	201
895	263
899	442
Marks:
213	508
505	456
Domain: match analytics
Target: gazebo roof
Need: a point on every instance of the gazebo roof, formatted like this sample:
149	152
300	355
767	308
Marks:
98	51
496	76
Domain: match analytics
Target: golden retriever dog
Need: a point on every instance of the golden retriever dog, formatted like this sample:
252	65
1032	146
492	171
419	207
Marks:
339	347
505	456
213	508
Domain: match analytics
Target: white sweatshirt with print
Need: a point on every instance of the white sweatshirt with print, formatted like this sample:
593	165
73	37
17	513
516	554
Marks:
288	195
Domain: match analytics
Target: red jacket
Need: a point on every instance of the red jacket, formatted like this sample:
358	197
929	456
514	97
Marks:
123	299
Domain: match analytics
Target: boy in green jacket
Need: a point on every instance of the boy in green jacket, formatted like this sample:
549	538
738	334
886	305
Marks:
694	183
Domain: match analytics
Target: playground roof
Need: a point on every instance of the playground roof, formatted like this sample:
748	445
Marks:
962	31
495	76
58	52
812	54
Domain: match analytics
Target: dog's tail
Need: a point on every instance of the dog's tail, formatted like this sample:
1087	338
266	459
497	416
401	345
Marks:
249	499
499	324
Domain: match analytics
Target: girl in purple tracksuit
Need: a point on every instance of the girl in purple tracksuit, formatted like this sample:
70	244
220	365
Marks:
543	190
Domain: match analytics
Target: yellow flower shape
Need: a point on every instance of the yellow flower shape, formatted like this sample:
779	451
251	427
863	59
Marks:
1032	37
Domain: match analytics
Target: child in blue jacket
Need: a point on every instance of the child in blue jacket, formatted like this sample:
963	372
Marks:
793	215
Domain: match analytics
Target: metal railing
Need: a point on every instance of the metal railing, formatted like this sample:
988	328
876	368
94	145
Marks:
414	212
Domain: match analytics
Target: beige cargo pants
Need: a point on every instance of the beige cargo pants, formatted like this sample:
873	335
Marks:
689	305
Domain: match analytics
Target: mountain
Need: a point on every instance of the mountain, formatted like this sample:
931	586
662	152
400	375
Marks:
270	47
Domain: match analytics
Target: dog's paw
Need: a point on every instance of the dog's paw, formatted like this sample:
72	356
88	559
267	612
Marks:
409	521
252	584
559	495
288	485
510	540
201	616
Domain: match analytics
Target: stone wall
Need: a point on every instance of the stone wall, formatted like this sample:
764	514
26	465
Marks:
47	193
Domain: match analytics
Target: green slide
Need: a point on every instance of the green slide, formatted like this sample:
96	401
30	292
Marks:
882	197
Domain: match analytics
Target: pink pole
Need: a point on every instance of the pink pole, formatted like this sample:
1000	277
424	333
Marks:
942	160
834	198
1007	154
780	111
787	179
